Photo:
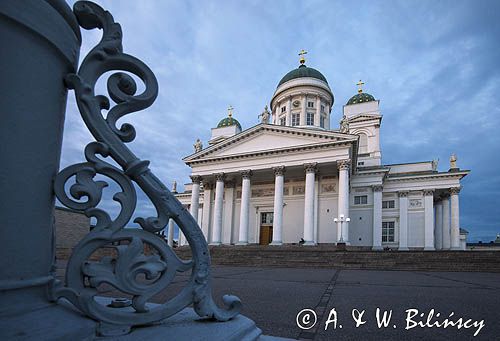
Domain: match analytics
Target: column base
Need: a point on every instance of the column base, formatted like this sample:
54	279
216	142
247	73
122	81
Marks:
456	248
403	248
273	243
429	248
377	248
309	243
215	243
241	243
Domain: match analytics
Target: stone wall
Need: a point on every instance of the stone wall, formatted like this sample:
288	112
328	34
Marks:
71	227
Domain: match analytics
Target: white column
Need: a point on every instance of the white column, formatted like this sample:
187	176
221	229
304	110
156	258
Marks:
446	222
318	113
310	169
219	197
289	112
377	218
195	196
343	202
207	209
455	219
227	218
278	205
245	207
429	220
303	111
438	225
403	221
316	208
170	239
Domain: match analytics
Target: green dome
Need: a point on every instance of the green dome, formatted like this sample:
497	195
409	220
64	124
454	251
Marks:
360	98
229	121
302	71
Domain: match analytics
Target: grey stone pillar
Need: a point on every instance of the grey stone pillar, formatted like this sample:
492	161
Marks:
35	58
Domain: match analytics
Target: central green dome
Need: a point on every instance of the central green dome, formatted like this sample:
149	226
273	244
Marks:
303	71
229	121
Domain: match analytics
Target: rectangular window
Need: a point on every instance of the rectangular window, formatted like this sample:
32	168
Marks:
322	121
310	119
266	218
387	231
283	109
388	204
360	200
322	108
283	120
295	119
310	104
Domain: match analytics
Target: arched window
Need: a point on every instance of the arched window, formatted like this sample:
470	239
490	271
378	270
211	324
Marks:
363	143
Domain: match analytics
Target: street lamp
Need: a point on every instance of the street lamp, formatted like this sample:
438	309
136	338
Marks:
341	220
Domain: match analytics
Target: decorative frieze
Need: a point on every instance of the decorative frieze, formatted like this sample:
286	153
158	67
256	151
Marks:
328	187
415	203
279	170
298	190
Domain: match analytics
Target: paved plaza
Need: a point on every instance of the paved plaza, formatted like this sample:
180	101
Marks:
272	297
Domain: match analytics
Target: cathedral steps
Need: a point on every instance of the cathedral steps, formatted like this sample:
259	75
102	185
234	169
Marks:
324	256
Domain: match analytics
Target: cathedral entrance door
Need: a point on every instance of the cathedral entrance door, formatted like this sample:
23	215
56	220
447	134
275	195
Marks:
266	228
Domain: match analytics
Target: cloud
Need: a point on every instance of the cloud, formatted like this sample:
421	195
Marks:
433	65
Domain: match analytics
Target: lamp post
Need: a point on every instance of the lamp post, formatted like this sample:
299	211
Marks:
341	219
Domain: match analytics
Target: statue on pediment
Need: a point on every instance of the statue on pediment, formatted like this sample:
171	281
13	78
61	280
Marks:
264	117
198	146
344	125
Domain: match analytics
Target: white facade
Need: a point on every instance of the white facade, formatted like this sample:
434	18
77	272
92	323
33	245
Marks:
286	181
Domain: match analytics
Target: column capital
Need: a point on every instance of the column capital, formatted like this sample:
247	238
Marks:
428	192
343	164
403	194
377	188
279	170
220	176
455	190
311	167
196	179
246	174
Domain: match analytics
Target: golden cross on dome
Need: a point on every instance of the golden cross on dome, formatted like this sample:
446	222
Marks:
230	111
360	84
302	59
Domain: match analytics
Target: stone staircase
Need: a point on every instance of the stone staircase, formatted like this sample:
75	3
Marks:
328	256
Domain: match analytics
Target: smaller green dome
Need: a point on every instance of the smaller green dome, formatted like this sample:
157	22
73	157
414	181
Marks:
360	98
229	121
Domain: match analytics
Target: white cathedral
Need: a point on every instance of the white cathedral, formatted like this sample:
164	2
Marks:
293	179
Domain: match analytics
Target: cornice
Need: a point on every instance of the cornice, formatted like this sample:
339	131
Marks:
413	177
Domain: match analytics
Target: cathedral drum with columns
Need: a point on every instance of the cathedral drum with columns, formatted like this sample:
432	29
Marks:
292	179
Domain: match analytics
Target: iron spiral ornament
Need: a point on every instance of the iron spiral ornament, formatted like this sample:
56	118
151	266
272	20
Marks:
132	270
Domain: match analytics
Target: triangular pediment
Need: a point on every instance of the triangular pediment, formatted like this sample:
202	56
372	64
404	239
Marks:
364	117
268	138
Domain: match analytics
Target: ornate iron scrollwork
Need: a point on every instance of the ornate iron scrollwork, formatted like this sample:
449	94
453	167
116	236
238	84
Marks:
136	270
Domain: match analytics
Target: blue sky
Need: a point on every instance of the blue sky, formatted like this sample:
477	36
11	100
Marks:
433	65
